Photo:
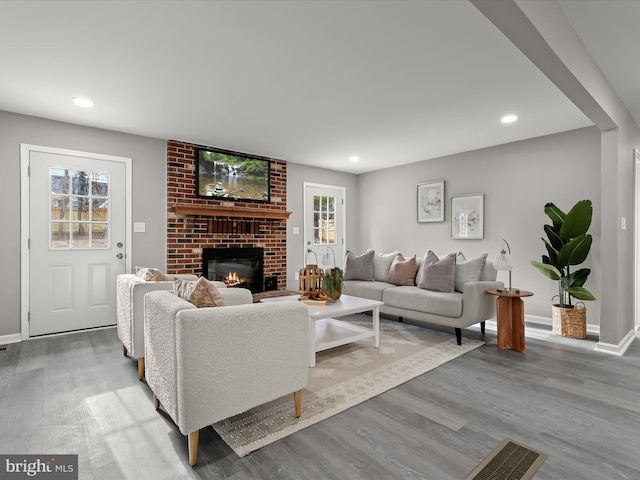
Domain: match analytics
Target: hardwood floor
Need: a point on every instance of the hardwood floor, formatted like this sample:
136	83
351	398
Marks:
78	394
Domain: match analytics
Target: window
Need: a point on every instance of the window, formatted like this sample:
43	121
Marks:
324	220
79	209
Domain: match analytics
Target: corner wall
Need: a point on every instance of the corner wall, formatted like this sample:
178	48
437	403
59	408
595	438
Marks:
517	179
149	192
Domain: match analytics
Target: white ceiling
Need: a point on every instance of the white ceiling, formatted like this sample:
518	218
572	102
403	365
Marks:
310	82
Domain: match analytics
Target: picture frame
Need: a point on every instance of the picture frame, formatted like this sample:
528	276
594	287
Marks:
467	216
430	201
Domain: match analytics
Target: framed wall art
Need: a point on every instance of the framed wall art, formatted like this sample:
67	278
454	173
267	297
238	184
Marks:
431	201
467	216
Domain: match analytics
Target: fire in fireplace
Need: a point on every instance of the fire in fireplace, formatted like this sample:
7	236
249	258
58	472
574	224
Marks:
236	267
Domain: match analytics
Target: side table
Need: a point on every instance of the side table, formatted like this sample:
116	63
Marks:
510	316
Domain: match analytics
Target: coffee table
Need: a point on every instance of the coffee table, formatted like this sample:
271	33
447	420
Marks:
326	332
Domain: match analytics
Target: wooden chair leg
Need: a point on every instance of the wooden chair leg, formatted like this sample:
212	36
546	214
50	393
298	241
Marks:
194	437
140	368
297	399
156	402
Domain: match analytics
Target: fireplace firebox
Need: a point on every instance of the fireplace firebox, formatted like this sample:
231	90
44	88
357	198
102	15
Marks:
237	267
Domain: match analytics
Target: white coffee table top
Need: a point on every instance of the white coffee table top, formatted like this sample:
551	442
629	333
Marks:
345	305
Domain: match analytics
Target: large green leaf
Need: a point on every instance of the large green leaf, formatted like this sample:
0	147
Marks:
548	271
580	293
577	221
575	252
578	278
553	254
554	237
555	214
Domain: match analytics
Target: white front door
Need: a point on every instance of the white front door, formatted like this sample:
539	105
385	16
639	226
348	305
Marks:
77	236
324	225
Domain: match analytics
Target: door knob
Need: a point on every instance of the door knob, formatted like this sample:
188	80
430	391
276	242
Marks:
119	256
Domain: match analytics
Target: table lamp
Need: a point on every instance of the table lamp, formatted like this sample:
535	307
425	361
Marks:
503	262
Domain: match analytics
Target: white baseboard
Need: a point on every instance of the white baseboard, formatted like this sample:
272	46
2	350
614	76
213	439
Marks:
620	348
13	338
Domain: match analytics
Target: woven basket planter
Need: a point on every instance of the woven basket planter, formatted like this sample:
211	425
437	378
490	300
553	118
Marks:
570	321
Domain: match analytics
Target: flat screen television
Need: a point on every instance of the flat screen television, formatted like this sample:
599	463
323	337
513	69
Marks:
223	174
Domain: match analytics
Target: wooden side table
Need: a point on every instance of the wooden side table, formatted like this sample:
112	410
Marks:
510	316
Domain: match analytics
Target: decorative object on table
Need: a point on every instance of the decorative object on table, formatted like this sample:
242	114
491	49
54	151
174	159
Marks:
503	262
431	201
568	245
333	277
315	298
467	216
311	276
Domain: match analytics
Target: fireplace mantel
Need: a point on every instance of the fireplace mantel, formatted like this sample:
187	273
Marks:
230	212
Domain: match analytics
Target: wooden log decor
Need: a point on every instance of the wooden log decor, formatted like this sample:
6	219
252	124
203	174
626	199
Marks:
237	226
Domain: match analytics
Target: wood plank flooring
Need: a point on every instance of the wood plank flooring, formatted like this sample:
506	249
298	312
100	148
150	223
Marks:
78	394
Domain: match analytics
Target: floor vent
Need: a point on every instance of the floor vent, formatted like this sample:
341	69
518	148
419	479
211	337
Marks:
510	460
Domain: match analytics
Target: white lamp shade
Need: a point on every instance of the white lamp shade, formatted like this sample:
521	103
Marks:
503	262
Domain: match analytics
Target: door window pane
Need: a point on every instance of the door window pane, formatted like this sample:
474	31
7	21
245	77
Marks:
60	237
324	220
79	209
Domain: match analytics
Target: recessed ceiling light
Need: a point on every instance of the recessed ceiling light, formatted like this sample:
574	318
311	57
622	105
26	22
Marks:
354	159
83	102
509	118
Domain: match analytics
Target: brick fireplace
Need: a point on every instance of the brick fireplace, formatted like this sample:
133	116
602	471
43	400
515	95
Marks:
194	224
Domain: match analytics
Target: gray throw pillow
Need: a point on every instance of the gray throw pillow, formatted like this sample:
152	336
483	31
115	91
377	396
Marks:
359	267
381	265
438	275
469	271
403	271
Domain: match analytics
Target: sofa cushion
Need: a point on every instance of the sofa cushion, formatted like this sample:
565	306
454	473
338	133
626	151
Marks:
403	271
151	274
469	271
420	300
359	288
489	273
438	274
359	267
420	261
202	293
381	265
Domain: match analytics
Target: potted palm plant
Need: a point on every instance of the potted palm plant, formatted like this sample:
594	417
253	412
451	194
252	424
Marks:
568	245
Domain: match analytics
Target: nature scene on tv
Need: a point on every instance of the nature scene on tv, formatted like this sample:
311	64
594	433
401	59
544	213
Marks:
224	175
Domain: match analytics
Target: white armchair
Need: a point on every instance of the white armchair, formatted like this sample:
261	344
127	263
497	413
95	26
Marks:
205	365
130	292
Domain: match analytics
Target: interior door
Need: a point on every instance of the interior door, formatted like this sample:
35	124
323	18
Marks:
324	225
77	228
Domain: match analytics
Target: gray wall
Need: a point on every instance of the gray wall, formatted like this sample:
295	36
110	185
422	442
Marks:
297	174
149	192
517	179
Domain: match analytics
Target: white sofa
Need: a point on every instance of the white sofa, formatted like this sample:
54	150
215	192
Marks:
468	305
130	292
207	364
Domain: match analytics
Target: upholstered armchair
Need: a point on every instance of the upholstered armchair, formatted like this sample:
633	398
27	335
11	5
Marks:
130	292
207	364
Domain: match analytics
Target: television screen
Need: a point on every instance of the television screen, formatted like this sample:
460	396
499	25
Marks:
222	174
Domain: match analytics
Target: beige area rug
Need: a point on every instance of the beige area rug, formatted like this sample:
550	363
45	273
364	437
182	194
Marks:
344	377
